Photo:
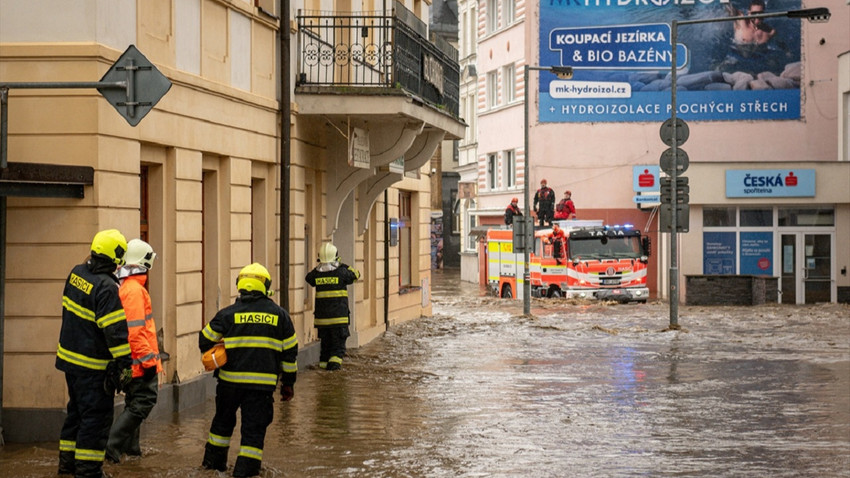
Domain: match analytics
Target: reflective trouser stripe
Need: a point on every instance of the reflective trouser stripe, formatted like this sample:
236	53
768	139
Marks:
67	445
251	452
218	440
89	455
335	359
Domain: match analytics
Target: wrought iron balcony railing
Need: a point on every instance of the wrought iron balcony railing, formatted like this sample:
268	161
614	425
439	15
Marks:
378	51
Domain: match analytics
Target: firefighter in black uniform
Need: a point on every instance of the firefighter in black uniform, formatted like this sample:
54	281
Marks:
94	354
331	279
260	345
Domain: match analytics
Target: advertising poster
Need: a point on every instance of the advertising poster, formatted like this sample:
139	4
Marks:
621	55
718	253
757	253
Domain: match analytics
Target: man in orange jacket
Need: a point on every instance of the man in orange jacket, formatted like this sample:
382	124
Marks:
141	393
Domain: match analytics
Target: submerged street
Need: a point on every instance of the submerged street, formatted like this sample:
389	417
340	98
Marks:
579	389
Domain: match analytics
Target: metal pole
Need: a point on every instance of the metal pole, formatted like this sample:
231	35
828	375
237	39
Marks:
529	225
674	216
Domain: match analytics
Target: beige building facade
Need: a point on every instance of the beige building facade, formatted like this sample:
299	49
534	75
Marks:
208	177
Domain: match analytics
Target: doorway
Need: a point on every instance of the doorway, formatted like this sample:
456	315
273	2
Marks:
806	261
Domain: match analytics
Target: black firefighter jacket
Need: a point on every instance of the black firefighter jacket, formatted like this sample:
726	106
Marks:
259	341
331	282
94	328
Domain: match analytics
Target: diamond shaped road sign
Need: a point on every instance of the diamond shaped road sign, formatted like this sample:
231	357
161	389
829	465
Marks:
136	86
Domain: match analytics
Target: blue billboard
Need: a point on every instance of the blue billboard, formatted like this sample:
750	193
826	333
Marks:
621	55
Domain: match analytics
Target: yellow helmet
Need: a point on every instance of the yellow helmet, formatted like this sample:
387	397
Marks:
110	243
139	253
254	277
328	253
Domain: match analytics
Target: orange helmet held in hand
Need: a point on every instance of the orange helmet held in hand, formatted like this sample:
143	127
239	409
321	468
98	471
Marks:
214	357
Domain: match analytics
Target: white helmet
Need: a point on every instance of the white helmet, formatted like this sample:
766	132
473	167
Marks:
139	253
327	253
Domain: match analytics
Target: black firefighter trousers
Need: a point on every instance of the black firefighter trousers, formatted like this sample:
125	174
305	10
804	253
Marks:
257	407
82	441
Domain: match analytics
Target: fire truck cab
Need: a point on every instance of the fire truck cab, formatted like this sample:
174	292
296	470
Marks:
594	261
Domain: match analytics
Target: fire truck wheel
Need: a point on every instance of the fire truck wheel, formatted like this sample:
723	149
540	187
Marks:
507	293
554	293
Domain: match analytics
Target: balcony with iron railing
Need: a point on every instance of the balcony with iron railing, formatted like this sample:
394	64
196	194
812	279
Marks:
376	54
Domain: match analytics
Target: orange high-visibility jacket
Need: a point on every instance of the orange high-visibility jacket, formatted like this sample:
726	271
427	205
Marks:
140	324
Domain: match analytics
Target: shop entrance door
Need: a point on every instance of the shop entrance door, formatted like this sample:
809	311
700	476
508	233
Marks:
806	261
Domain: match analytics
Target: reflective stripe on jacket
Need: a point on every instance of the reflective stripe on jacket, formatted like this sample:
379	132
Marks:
94	329
260	341
331	283
140	324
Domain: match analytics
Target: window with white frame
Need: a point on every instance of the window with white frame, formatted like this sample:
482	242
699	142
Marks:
509	83
492	89
509	162
471	243
508	11
473	30
472	104
492	171
492	14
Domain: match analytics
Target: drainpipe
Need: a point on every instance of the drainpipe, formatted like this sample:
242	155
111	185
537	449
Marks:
4	124
285	156
386	260
2	299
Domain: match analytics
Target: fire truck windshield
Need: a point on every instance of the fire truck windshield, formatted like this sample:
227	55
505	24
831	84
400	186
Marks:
604	247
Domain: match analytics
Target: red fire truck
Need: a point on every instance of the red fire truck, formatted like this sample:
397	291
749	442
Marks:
596	262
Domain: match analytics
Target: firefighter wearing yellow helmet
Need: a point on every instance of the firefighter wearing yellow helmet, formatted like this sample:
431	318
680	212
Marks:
331	279
261	349
93	353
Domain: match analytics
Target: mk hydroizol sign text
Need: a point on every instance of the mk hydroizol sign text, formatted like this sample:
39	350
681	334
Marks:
621	54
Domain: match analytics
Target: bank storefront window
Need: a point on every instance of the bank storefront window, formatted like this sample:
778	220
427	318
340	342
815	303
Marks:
738	240
718	217
741	240
759	217
806	217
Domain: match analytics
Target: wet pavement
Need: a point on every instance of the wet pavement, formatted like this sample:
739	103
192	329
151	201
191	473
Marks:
577	389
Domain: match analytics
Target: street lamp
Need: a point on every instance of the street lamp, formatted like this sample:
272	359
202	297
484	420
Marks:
814	15
564	73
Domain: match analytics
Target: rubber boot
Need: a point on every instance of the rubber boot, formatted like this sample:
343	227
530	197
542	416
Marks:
215	457
133	448
121	436
66	463
246	467
88	469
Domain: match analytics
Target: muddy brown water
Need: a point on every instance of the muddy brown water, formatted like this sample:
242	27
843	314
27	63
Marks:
577	389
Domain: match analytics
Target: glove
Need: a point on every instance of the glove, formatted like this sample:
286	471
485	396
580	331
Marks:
286	393
149	373
117	378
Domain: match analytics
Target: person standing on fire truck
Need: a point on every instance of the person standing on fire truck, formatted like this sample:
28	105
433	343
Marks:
544	203
331	279
558	240
260	346
566	209
512	211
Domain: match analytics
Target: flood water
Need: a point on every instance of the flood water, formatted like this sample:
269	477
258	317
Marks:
577	389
